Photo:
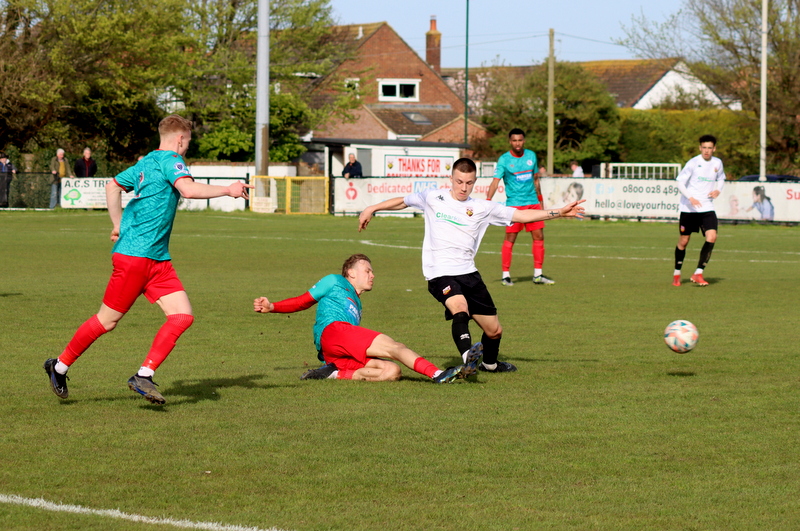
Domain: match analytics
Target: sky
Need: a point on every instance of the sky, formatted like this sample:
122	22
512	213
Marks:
511	33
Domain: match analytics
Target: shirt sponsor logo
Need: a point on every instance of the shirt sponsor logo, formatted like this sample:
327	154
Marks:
441	216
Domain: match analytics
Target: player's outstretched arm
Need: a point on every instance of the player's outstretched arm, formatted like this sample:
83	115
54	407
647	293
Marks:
295	304
194	190
396	203
572	210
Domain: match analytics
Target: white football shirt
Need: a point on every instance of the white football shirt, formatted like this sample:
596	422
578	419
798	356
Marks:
697	179
453	230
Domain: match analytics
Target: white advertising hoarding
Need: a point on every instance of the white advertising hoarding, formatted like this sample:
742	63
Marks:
351	196
630	198
623	198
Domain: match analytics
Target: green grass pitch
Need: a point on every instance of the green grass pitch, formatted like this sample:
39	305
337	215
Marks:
602	427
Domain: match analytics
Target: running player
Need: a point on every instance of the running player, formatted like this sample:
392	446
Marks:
141	257
350	351
700	182
454	226
516	168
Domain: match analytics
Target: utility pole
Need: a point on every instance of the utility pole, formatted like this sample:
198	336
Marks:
762	162
466	84
551	74
262	90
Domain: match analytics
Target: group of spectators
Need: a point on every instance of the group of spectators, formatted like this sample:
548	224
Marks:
59	168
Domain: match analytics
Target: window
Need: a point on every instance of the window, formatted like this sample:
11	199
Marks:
352	84
417	118
398	89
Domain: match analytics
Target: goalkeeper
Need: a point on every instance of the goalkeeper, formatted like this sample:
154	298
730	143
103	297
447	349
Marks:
350	351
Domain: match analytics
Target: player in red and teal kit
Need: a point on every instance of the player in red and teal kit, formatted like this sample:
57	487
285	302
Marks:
350	351
141	260
517	169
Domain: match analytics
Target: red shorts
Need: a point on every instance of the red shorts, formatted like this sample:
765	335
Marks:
345	345
517	227
133	276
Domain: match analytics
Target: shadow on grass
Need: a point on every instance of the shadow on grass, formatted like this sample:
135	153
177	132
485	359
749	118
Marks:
10	294
680	373
195	391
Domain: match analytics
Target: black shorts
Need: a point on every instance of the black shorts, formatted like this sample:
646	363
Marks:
471	286
697	221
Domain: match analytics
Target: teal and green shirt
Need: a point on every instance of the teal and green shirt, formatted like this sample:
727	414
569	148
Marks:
337	301
147	219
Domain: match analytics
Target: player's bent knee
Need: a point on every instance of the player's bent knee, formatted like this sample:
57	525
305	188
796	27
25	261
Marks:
392	373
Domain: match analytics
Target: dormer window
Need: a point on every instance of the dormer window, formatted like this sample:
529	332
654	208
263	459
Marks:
398	90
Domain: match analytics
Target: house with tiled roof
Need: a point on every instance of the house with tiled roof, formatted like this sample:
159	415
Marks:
403	96
634	83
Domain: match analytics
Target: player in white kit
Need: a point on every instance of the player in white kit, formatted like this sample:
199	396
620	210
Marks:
454	226
700	182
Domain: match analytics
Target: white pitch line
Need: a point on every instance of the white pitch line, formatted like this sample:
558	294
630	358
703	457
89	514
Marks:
665	258
40	503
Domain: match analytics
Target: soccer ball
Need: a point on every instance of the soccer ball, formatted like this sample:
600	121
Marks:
681	336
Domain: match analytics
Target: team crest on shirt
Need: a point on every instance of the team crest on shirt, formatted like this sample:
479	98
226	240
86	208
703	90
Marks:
446	290
530	162
470	212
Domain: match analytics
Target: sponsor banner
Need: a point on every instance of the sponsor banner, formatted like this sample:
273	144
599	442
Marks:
354	195
87	192
647	198
624	198
417	166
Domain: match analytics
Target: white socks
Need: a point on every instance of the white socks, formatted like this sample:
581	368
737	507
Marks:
144	372
61	368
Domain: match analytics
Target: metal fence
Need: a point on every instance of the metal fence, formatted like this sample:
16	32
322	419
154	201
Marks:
30	190
639	170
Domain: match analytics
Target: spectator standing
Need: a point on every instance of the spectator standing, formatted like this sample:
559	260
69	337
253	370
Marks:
85	166
577	170
7	171
59	167
353	168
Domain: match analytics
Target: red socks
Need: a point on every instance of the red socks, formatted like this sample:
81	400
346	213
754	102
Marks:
505	254
538	253
166	338
86	334
423	366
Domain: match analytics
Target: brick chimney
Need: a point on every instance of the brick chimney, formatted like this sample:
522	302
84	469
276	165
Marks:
433	47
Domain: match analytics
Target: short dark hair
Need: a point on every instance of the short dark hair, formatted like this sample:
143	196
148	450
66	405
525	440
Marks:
351	262
465	165
3	155
516	131
708	138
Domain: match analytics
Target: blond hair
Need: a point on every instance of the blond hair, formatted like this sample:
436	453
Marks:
174	124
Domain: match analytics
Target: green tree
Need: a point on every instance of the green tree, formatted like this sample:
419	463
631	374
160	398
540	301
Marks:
721	42
85	69
673	136
220	92
586	116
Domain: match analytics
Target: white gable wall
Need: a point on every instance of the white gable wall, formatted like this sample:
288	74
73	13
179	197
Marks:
675	82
